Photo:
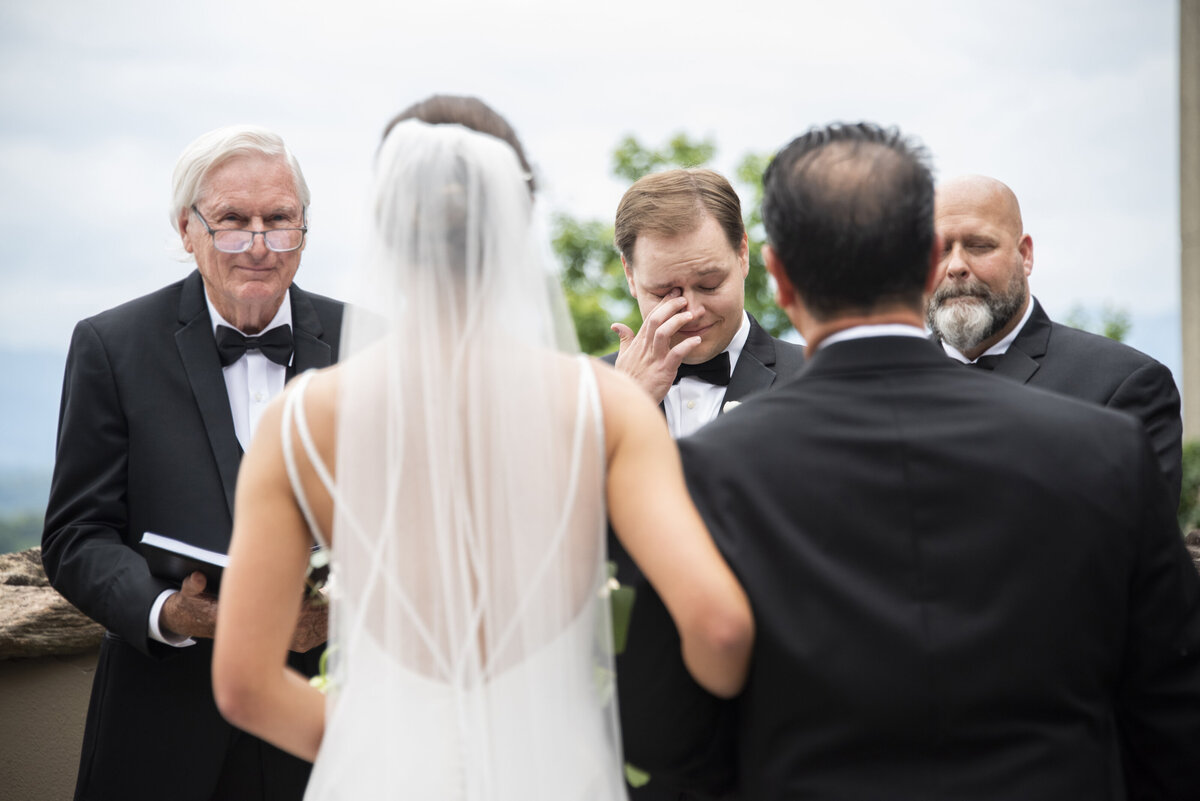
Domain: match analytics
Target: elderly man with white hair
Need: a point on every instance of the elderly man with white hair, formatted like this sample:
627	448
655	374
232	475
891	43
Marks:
160	398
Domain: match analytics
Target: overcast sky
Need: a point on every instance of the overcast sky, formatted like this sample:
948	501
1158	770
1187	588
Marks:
1073	104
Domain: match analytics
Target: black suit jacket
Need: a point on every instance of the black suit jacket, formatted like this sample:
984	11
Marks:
963	589
765	362
1056	357
146	443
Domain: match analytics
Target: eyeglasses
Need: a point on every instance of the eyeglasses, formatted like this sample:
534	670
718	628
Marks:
239	240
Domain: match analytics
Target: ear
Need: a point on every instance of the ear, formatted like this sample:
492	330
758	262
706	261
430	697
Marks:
744	255
184	218
785	292
629	277
935	265
1025	248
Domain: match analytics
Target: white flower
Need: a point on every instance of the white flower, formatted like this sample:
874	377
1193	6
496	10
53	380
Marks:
729	406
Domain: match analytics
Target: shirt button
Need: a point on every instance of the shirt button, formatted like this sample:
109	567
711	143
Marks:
691	404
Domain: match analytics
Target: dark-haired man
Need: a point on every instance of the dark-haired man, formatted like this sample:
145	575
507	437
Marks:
983	314
963	588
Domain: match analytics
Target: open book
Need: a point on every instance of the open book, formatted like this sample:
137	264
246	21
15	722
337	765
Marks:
175	560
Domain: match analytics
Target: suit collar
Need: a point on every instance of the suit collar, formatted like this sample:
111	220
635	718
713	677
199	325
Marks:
1023	357
755	369
312	351
198	351
879	353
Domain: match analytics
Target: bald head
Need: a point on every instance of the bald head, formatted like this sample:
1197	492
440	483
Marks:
981	196
983	287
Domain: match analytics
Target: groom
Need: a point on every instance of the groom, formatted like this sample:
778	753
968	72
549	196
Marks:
698	353
963	588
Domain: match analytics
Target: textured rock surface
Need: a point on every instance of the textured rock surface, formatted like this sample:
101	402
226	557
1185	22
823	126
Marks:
34	619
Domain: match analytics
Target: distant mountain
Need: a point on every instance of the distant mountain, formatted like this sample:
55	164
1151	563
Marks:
23	490
29	407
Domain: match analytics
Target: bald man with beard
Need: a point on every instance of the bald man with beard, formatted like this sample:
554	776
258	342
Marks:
984	316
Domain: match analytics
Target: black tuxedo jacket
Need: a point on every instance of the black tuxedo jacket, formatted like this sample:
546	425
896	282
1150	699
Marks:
1056	357
963	589
146	443
765	362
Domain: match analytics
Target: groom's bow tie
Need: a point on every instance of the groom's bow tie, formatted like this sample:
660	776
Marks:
986	362
275	344
714	371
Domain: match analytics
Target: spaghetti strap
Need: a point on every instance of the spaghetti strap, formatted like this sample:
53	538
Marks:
293	406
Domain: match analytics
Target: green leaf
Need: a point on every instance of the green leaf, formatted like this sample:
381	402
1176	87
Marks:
621	600
635	777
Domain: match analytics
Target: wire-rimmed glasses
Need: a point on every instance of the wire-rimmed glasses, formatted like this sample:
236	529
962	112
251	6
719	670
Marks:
239	240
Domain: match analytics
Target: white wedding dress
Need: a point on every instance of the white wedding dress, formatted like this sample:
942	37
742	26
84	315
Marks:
470	642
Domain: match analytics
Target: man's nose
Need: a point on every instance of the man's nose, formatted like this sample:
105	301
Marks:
258	246
956	265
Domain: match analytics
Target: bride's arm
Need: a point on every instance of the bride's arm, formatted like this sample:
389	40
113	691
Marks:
653	515
260	602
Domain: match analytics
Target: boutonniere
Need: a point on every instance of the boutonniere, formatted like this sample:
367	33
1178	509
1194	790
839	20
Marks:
730	406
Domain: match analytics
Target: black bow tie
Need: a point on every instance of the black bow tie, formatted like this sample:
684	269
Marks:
986	362
275	344
714	371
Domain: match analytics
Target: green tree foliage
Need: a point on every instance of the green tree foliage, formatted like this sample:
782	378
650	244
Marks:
1111	321
1189	498
597	292
595	281
20	531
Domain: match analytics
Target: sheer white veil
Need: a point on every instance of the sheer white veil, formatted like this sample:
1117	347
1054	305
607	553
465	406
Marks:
470	647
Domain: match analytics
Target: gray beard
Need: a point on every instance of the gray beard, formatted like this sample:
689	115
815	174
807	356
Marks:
964	324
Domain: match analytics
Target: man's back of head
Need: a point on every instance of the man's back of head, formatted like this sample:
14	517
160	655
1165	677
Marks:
963	588
848	211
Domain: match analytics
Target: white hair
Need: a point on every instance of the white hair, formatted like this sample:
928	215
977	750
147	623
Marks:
211	150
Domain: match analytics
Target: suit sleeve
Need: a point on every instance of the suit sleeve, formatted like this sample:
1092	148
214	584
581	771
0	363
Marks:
671	726
1158	696
1150	394
86	543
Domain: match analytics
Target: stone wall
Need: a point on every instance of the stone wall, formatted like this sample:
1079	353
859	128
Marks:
48	655
34	619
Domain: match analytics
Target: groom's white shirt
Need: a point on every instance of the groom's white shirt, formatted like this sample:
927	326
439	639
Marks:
251	383
692	403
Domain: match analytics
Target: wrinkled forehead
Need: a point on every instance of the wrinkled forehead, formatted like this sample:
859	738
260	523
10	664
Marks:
250	180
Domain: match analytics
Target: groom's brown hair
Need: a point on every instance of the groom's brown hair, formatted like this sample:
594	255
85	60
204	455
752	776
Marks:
674	202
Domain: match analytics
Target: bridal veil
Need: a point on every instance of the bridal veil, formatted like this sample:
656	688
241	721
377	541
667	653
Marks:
470	644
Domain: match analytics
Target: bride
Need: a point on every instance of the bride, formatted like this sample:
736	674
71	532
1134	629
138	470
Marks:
461	465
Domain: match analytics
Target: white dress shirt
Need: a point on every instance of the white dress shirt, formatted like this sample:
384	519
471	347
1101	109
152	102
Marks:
873	330
693	403
251	383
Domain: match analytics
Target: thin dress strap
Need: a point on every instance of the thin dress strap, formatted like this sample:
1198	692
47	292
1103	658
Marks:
293	406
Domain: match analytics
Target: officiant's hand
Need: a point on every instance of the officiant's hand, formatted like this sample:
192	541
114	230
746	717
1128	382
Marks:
648	357
191	612
312	628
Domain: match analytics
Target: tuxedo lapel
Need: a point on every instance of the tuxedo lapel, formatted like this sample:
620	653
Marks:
312	352
1024	355
755	370
198	351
